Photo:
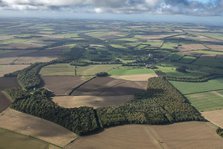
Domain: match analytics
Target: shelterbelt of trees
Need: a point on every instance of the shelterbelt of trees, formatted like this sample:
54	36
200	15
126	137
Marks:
160	104
82	120
203	78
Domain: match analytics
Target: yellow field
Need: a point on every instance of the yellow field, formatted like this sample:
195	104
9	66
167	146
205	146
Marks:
91	101
36	127
215	117
25	60
140	77
5	69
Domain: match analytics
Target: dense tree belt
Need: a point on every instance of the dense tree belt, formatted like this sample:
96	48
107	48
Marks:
204	78
82	120
220	132
161	104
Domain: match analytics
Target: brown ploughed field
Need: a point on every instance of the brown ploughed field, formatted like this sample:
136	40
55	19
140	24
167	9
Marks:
61	85
101	92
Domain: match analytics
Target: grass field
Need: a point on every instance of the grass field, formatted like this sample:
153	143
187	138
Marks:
187	59
209	61
171	71
208	52
11	140
207	101
118	46
198	87
93	69
130	71
188	135
169	45
67	69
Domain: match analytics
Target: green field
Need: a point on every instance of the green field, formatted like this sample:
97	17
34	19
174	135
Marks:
214	35
171	71
93	69
207	101
11	140
118	46
187	59
210	61
130	71
69	70
209	52
169	45
190	87
154	43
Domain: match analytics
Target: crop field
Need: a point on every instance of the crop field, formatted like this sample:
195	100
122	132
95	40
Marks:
130	71
153	43
170	45
106	35
118	46
5	69
137	77
190	47
206	101
209	61
107	86
69	70
214	117
187	59
93	69
208	52
190	87
24	60
199	135
91	101
35	127
153	37
214	35
216	47
57	70
11	140
67	83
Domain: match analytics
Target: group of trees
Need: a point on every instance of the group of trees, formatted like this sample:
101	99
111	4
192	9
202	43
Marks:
29	78
203	78
161	104
38	103
220	132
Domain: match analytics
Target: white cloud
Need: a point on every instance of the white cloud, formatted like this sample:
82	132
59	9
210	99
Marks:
190	7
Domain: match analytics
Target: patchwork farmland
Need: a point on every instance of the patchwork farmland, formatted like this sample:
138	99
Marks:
70	82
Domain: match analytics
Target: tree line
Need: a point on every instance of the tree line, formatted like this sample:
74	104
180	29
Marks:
160	104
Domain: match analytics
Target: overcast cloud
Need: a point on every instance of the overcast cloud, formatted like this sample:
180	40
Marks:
188	7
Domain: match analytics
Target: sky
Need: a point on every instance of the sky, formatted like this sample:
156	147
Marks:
177	10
